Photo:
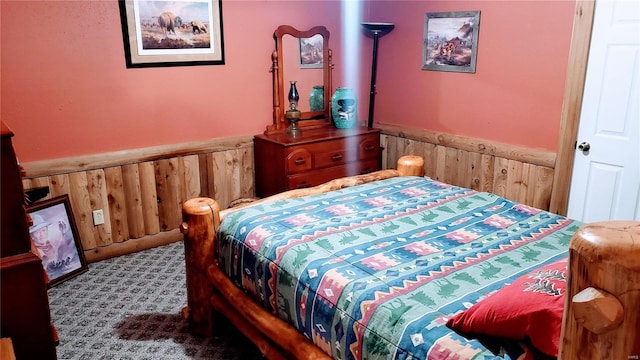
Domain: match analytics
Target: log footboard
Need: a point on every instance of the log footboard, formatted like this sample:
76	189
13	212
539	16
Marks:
602	304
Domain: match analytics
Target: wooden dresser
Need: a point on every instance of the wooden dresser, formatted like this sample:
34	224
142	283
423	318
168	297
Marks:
24	306
314	157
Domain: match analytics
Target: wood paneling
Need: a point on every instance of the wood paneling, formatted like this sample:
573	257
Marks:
119	223
133	156
168	188
513	152
191	175
132	192
142	194
516	173
98	200
149	197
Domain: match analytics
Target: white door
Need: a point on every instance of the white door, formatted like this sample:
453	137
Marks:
605	184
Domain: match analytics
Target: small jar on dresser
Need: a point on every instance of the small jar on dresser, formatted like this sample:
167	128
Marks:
283	162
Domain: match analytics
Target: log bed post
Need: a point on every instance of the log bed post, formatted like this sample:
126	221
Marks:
602	304
410	165
201	221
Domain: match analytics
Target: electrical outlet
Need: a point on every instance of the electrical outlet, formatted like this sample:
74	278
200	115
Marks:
98	217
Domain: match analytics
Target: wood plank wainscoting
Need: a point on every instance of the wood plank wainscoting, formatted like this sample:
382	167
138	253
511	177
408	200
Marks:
517	173
141	191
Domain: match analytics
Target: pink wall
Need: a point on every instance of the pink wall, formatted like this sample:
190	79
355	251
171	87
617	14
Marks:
516	93
65	90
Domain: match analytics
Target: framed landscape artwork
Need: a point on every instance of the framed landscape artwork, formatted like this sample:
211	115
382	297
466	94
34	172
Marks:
451	41
172	33
54	238
311	52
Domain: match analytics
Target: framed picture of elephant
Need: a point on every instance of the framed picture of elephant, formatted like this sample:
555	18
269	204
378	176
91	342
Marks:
159	33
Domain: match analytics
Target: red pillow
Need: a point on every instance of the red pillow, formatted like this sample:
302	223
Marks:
530	308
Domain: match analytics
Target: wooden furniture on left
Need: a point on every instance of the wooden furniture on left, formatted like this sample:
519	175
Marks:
24	314
6	349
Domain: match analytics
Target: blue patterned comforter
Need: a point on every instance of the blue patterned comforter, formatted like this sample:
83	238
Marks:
374	271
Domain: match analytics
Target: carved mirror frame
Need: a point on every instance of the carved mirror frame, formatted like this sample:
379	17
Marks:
308	119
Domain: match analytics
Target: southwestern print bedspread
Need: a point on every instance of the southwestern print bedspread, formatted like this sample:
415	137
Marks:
374	271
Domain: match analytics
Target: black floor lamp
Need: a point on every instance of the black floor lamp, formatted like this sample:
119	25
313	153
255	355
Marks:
377	30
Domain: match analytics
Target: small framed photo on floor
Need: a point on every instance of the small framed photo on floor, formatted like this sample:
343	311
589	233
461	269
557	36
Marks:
54	238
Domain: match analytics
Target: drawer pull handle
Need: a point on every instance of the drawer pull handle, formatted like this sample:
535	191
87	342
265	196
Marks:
369	148
336	157
299	161
303	184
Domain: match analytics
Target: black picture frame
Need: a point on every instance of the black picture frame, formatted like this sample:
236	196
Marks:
54	238
191	35
450	41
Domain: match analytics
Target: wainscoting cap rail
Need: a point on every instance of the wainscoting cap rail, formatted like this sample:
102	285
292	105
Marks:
520	153
124	157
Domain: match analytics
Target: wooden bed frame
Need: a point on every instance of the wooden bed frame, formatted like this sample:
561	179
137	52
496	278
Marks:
601	314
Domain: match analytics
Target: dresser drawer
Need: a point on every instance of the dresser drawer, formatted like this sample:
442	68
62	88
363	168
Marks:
317	177
299	160
332	153
339	156
369	148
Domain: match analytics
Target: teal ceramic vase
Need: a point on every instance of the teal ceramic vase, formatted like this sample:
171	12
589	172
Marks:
316	98
343	108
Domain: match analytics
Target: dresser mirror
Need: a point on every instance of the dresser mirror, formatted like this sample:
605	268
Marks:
302	57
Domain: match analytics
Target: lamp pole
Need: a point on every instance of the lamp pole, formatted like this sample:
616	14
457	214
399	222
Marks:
377	30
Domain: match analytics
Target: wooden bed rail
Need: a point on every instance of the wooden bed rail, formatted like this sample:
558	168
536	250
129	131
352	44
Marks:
602	305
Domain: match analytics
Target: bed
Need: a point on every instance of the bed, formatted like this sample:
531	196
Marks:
393	265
